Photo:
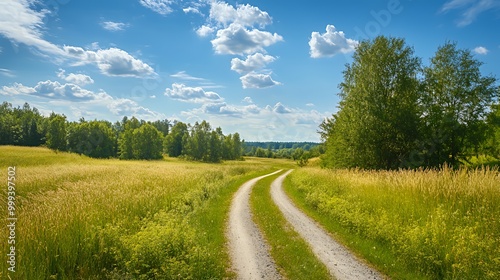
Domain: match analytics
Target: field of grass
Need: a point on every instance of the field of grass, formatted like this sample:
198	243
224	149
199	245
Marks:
81	218
426	224
292	255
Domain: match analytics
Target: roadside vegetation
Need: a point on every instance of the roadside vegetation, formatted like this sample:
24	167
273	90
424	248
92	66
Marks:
291	253
83	218
412	224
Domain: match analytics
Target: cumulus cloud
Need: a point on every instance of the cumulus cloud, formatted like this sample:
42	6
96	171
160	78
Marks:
258	80
236	39
481	50
245	15
111	62
281	109
269	123
222	108
68	94
247	100
162	7
23	25
191	94
114	26
78	79
205	30
330	43
471	9
125	107
55	90
251	63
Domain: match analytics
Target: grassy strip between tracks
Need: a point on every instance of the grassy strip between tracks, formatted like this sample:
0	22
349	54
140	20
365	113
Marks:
293	257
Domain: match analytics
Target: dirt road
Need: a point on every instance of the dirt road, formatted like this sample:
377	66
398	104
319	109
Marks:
339	261
249	252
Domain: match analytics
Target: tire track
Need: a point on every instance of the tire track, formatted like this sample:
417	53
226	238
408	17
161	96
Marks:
339	261
248	250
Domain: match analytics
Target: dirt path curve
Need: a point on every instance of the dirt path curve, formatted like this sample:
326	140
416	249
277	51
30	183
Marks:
248	250
339	261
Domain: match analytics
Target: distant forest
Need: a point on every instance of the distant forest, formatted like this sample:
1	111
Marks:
129	138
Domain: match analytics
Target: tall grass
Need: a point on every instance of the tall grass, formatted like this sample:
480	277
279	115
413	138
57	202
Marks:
82	218
439	224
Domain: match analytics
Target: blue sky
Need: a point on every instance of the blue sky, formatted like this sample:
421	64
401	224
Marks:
266	69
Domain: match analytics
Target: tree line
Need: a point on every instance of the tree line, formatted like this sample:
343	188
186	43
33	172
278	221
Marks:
127	139
396	113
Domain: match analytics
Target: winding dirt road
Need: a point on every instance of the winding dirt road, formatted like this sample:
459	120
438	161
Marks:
339	261
248	250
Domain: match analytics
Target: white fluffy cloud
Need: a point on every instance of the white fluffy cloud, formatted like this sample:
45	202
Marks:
78	79
247	99
222	108
269	123
236	39
114	26
472	9
481	50
191	94
245	15
281	109
23	25
111	62
205	30
330	43
251	63
258	80
55	90
68	94
159	6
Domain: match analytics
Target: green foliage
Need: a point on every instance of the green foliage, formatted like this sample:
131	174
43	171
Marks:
377	123
56	132
147	142
21	126
394	114
173	141
94	139
455	100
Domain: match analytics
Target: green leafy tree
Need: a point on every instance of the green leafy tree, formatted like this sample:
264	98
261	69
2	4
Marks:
456	100
493	142
236	146
378	119
56	132
147	142
215	147
125	141
227	147
95	139
173	141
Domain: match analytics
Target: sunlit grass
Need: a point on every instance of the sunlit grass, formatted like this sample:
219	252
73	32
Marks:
82	218
439	224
